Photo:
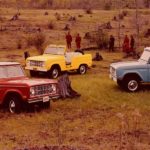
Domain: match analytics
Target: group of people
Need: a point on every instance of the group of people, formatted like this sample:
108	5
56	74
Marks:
128	44
69	41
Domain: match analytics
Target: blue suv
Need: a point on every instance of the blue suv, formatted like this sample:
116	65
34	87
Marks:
130	75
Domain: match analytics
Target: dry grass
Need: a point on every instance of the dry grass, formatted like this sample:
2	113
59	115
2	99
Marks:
90	121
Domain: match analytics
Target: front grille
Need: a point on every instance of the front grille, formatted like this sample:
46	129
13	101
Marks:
112	71
36	63
44	89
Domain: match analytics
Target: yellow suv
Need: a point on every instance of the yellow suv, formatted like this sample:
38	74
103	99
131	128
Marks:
56	59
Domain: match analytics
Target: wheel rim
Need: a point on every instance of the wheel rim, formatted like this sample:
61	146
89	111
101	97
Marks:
82	69
12	106
133	85
55	73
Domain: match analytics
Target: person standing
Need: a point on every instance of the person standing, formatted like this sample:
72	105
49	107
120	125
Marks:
68	40
78	41
126	46
132	43
111	43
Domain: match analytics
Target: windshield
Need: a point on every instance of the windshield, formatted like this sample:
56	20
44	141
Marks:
55	50
145	56
11	71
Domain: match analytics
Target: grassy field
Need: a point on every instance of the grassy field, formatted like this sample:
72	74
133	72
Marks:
103	118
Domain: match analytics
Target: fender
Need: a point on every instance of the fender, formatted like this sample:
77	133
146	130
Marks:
23	97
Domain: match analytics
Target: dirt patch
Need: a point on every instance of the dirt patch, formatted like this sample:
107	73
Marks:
54	148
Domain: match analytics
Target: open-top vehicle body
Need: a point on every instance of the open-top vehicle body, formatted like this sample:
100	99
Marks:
55	60
16	90
130	75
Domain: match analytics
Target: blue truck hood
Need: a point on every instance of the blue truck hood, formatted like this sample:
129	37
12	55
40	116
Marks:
129	64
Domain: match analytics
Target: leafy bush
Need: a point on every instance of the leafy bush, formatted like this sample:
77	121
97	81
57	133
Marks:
36	40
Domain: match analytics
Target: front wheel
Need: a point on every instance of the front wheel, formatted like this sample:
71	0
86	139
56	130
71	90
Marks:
132	84
82	69
54	72
13	104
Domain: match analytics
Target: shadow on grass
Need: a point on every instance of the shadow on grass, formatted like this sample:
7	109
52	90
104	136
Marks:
143	88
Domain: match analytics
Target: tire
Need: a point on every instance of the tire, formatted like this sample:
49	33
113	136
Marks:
132	84
14	104
54	72
33	73
82	69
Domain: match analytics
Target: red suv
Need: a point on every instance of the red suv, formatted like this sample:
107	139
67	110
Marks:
16	90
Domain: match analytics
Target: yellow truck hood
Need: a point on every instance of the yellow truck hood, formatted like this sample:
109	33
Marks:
45	57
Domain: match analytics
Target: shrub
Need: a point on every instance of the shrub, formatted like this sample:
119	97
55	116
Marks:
50	25
102	39
125	13
36	40
107	6
39	41
46	13
19	44
29	41
88	11
58	16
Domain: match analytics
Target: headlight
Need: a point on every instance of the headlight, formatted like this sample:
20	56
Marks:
32	91
54	87
27	63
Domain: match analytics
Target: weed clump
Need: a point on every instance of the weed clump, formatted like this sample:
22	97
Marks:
88	11
50	25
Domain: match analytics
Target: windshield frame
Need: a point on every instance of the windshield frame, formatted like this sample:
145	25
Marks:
11	77
145	60
55	50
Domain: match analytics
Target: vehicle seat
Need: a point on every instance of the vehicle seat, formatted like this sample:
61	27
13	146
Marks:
69	56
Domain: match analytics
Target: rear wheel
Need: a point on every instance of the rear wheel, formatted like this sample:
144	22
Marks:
82	69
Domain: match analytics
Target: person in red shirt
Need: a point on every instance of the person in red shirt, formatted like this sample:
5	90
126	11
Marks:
68	40
126	43
78	41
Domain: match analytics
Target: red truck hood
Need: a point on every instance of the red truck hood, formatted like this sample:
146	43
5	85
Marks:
30	82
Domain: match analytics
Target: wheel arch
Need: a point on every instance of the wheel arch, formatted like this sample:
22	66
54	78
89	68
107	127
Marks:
57	66
11	93
83	64
135	75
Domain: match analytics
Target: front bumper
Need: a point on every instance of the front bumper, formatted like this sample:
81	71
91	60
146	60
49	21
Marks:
113	78
43	99
36	68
